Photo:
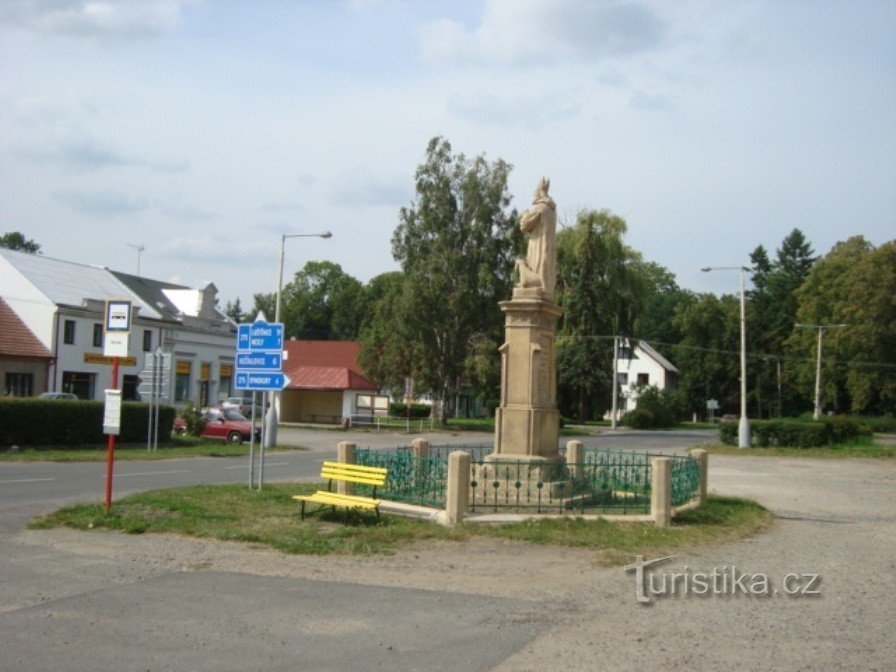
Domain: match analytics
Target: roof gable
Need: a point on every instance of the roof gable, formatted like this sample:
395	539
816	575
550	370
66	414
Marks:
16	339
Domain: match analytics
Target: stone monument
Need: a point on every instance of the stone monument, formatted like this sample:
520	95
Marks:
527	421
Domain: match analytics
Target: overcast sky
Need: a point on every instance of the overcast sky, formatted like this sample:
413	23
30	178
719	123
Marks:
203	129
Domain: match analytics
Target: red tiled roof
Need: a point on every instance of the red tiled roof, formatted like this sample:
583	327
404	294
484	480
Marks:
327	378
325	365
16	339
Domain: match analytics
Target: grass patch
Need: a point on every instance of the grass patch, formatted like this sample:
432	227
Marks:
719	520
180	446
864	448
233	513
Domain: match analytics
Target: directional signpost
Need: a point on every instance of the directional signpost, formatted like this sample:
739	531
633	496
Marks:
155	379
259	368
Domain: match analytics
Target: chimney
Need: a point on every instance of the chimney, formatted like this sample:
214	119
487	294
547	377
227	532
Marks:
208	298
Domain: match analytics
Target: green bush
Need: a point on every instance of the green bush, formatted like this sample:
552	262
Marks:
193	418
883	424
62	422
796	433
656	409
400	410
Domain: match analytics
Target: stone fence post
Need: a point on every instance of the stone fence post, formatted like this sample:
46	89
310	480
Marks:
457	488
574	457
420	447
702	457
661	491
345	452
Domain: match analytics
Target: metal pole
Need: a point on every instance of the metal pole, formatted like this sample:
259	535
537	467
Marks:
817	414
778	360
252	442
265	430
743	430
152	389
614	411
110	448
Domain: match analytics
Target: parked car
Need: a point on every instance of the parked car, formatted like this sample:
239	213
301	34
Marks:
222	423
242	405
57	395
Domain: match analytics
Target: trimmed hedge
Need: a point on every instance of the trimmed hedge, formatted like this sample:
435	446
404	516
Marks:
796	433
63	422
398	409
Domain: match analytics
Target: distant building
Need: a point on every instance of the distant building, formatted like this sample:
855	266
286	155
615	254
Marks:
24	360
62	305
639	364
327	383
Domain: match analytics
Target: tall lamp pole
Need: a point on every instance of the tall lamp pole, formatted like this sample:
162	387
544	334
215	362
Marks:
743	428
270	438
821	327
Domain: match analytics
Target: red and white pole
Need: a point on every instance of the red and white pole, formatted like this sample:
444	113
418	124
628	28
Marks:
110	449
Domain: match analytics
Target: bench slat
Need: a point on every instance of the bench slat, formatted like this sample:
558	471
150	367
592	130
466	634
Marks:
325	497
356	468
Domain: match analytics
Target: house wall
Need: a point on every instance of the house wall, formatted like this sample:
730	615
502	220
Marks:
311	406
657	375
36	367
205	356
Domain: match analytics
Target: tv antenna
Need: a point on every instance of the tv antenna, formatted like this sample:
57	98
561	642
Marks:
139	247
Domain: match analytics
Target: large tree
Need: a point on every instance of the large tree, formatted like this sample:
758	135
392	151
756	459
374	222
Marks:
601	294
14	240
456	244
854	284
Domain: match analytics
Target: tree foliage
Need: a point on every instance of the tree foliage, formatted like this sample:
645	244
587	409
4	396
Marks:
456	245
601	293
14	240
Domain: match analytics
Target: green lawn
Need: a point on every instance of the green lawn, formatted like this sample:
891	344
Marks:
859	449
179	446
270	517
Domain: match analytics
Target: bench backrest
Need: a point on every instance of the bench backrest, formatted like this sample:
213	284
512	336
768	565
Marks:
354	473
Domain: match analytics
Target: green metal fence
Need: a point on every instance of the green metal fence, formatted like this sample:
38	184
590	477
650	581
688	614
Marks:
606	481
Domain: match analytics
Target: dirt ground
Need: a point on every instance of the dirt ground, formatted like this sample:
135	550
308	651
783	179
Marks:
835	518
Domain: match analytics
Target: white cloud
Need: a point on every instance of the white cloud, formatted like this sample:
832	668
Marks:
102	203
531	110
88	155
545	31
215	249
94	19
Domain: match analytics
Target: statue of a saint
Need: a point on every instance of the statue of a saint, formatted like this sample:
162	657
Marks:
539	269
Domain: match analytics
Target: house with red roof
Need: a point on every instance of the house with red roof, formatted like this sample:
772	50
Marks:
24	360
326	382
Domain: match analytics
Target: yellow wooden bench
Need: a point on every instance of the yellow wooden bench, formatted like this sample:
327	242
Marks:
347	473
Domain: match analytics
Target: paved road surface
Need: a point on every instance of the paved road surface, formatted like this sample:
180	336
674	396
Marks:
101	601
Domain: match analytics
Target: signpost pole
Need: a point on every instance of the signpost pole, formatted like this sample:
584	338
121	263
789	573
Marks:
252	443
149	415
110	448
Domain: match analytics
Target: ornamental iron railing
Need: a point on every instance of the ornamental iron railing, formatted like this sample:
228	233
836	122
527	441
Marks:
606	481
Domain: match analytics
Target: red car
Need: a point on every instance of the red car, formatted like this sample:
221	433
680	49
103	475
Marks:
222	423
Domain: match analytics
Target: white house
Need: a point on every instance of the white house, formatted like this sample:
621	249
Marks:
639	364
62	304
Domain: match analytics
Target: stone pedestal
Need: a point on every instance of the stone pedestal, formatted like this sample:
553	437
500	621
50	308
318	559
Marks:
527	423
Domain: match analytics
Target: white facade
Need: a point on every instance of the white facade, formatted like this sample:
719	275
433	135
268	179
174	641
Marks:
62	303
639	364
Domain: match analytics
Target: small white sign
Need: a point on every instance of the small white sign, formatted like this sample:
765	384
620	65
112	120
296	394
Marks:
712	404
112	412
118	315
115	344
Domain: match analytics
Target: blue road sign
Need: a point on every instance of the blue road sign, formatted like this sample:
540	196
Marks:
252	380
259	335
259	361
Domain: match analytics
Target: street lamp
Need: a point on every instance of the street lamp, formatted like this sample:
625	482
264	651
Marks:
270	438
743	428
821	327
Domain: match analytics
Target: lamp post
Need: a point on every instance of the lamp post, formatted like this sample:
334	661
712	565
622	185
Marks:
270	438
821	327
743	428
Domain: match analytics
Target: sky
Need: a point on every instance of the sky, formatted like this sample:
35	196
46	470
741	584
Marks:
204	129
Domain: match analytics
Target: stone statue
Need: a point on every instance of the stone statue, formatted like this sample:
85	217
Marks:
539	269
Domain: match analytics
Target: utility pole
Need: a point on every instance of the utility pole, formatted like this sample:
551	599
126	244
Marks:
139	247
613	411
821	327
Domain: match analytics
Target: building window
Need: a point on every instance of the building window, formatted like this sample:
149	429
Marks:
225	380
20	384
147	340
182	381
624	352
81	384
68	332
643	379
622	378
97	335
